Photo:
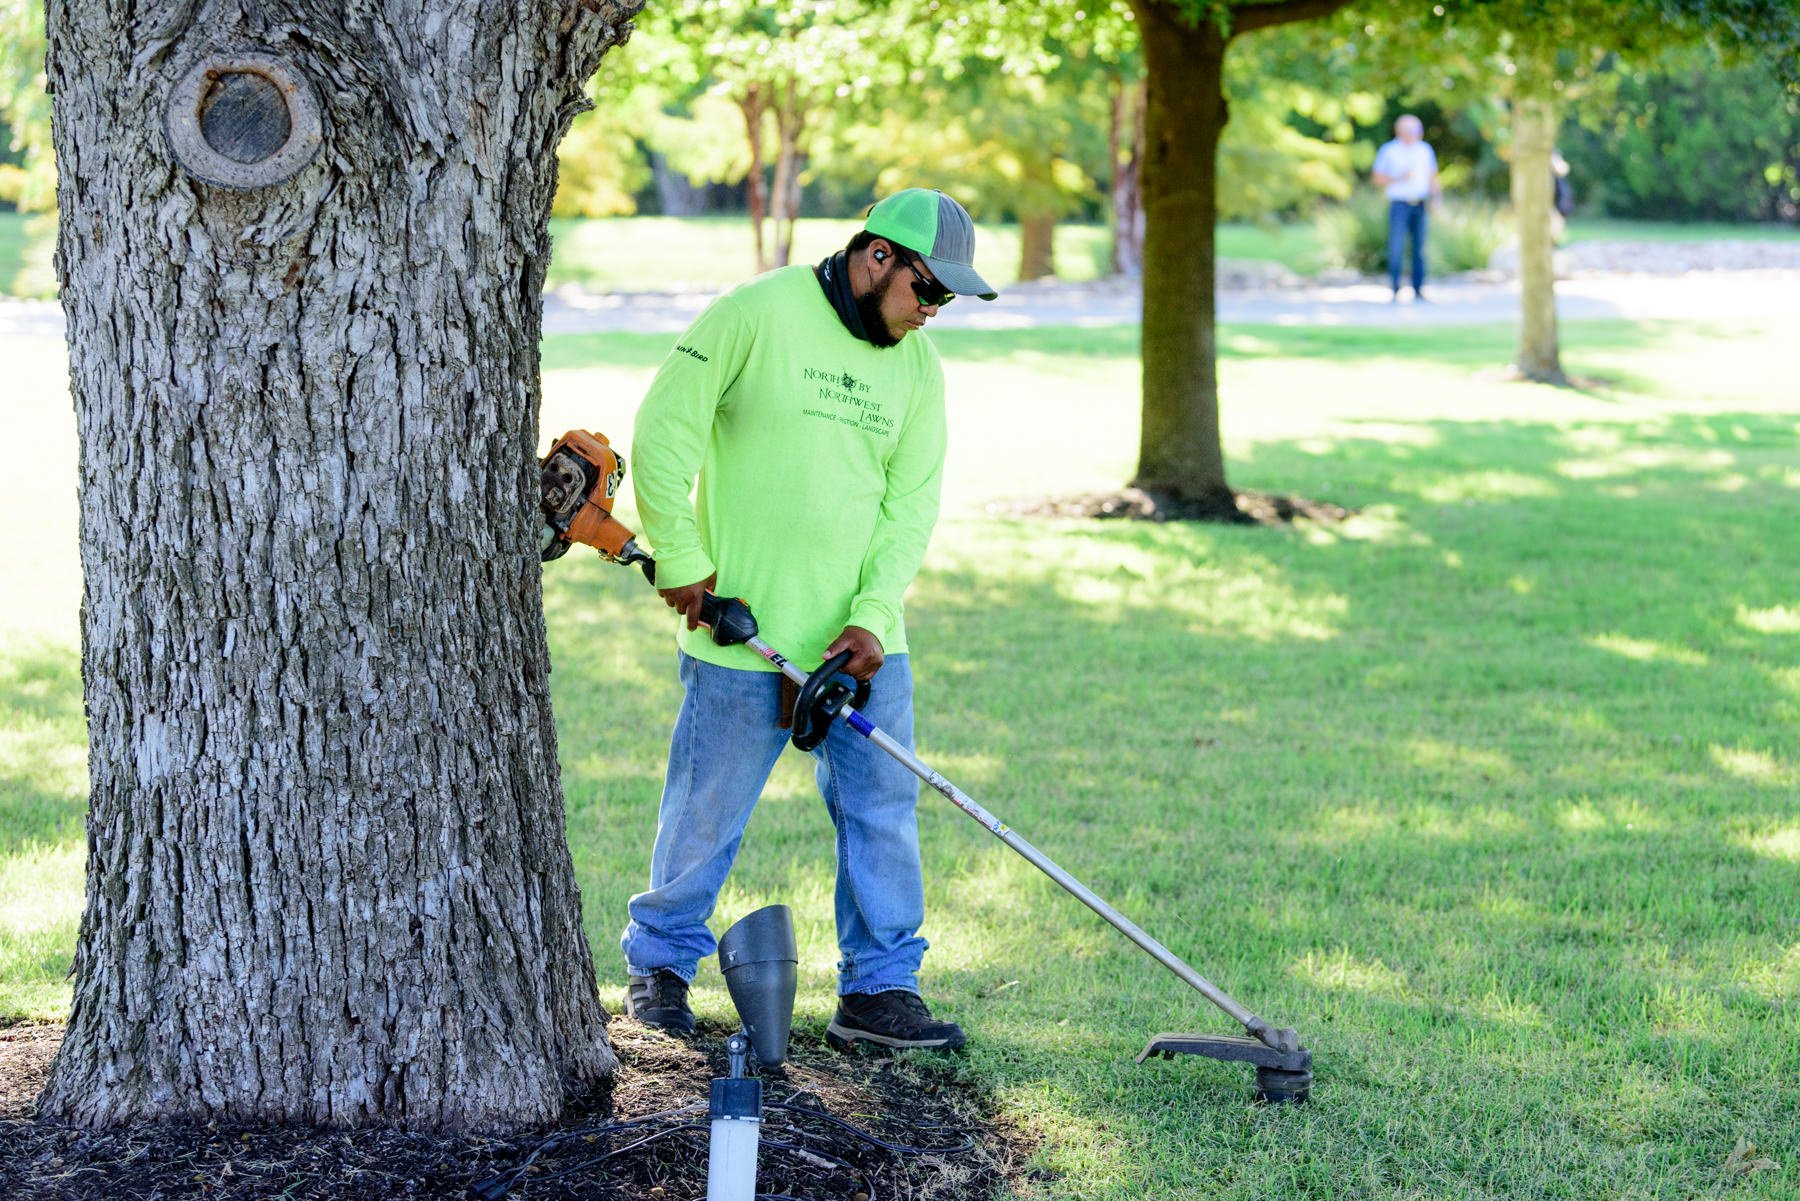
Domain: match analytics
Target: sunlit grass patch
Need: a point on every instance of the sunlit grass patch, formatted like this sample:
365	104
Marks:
40	910
1780	843
1748	763
1646	650
1778	619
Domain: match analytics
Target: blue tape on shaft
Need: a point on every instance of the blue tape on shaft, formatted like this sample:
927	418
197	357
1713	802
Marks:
861	724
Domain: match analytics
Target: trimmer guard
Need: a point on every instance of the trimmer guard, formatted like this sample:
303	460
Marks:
1281	1076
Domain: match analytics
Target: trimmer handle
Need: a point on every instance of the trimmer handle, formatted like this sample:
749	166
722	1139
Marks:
729	618
823	697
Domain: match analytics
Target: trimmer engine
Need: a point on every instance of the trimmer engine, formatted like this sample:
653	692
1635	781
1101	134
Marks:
580	479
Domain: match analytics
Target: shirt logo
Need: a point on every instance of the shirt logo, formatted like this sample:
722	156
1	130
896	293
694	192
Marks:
847	400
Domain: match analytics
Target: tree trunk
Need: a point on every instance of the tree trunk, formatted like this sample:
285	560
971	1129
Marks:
754	105
328	880
1037	245
790	118
1535	119
1125	142
1179	452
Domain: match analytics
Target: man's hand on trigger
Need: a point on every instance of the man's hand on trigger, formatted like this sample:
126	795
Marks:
686	599
865	648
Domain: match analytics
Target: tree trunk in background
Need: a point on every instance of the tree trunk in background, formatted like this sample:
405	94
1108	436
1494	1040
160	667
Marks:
328	880
1037	246
675	193
754	105
1125	142
1535	120
790	120
1179	451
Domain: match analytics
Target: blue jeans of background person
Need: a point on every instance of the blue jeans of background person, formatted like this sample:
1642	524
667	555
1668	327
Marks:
1406	219
725	744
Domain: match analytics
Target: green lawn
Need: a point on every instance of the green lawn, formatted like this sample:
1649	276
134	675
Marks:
26	243
1606	229
1491	791
653	254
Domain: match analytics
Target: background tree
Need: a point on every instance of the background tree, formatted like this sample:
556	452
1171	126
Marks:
1538	55
328	880
783	66
1180	456
1686	136
1019	136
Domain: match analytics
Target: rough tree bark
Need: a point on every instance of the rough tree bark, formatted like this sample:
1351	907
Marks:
1535	119
328	880
1180	455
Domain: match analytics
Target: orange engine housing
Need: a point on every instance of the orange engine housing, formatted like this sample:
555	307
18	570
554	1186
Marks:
580	479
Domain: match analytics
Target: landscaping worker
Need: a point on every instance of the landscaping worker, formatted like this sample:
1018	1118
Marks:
1408	168
811	409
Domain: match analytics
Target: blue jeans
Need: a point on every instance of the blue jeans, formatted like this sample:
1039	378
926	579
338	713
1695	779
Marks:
1404	221
726	742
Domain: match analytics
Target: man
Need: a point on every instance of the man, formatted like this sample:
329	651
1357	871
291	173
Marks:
811	409
1407	167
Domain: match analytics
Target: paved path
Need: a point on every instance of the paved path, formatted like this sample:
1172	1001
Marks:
1699	295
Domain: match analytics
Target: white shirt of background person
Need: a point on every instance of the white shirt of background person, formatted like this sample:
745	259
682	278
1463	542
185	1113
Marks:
1407	166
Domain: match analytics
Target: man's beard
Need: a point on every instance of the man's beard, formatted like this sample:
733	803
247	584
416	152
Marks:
875	326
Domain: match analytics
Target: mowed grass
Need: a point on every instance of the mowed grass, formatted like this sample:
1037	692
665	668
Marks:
662	254
27	245
1491	791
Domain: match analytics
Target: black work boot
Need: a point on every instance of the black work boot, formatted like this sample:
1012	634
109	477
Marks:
896	1019
660	1000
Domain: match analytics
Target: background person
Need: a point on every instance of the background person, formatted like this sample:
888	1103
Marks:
1407	168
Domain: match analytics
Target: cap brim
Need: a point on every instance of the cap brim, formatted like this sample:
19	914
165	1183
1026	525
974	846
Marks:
960	279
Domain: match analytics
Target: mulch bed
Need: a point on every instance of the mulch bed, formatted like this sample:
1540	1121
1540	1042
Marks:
1135	504
912	1100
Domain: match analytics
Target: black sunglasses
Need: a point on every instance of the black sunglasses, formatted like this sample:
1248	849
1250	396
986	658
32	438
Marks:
931	294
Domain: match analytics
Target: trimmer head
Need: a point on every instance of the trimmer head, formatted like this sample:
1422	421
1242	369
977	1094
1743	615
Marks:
1282	1076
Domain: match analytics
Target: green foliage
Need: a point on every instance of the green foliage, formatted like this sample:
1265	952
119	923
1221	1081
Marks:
1460	235
1267	165
29	183
1008	145
599	167
1693	137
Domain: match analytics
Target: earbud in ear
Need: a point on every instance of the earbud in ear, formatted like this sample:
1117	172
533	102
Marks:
881	256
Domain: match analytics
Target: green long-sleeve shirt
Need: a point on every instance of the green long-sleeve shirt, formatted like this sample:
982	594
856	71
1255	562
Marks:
819	459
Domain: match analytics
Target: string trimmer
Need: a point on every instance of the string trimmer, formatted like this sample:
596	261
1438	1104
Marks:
581	477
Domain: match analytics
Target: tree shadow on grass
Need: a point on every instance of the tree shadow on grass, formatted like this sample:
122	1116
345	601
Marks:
1472	796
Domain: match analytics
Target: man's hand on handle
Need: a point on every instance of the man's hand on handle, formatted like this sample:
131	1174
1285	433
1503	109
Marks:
686	599
865	659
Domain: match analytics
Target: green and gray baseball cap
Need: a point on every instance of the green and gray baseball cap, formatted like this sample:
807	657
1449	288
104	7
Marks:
938	230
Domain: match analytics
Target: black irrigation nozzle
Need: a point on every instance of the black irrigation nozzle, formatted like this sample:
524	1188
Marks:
760	959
